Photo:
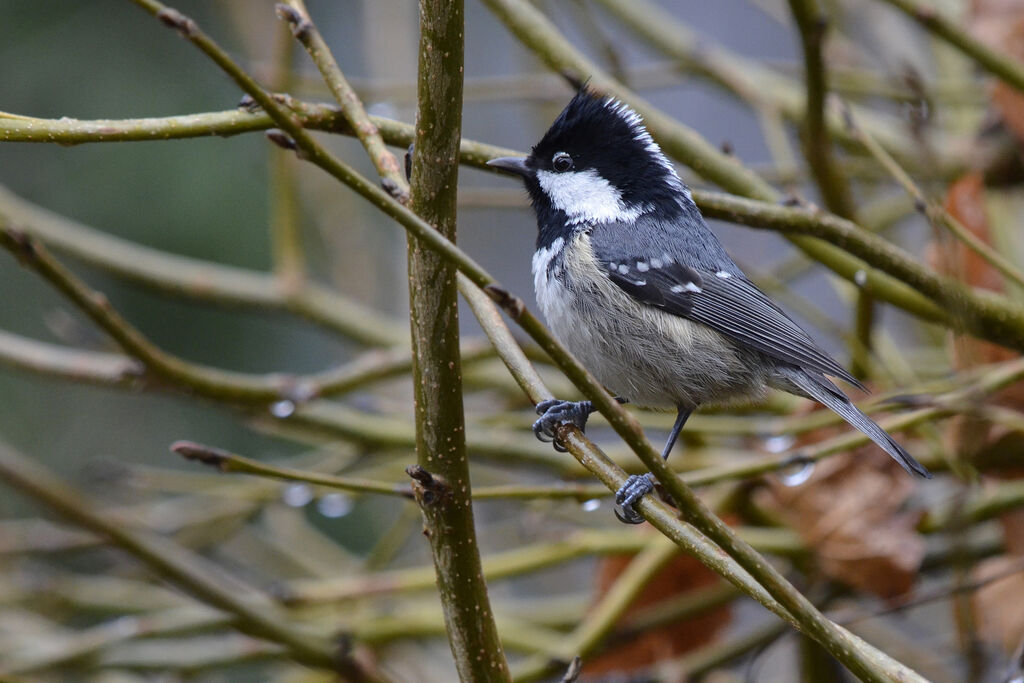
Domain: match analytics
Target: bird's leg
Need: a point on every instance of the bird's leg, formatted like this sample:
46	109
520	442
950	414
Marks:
554	413
639	485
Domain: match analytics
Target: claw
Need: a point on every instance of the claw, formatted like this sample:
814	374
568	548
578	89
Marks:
554	413
635	488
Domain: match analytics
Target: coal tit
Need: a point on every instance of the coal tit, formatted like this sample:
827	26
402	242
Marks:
635	284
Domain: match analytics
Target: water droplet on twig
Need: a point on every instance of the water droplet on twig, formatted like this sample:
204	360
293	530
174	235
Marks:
282	409
334	505
297	495
796	472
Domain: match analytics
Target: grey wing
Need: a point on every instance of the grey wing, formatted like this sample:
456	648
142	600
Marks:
728	303
736	307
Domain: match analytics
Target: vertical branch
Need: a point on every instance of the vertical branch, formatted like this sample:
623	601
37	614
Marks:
817	145
442	476
835	189
286	243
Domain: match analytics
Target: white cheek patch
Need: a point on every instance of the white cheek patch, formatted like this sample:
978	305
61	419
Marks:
586	197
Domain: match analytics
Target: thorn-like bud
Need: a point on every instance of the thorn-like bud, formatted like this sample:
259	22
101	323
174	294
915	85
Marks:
248	103
172	18
574	79
300	25
395	190
408	161
508	301
21	244
207	455
281	139
427	488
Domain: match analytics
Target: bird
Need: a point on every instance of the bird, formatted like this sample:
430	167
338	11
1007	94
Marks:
632	280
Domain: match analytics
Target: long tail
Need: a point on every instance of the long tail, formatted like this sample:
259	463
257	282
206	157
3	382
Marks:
823	391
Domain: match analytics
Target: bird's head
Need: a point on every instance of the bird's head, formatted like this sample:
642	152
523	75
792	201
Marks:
597	163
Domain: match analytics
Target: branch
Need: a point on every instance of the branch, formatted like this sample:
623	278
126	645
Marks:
934	212
202	280
832	183
441	478
226	461
286	251
1011	71
191	572
934	297
754	83
303	28
849	649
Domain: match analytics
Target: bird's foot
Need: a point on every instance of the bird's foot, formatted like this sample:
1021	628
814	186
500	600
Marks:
635	488
554	413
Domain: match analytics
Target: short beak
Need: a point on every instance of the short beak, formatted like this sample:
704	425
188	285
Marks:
516	165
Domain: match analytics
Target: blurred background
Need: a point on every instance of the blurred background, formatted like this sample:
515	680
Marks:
222	200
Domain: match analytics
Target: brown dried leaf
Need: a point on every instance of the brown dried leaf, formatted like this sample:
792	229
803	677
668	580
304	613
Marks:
681	575
1013	533
1000	24
966	202
851	513
999	605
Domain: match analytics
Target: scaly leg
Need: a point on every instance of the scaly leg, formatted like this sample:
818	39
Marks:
639	485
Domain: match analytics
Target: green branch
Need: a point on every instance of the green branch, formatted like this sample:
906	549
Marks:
226	461
1011	71
189	571
832	183
441	480
989	316
207	381
198	279
303	28
755	84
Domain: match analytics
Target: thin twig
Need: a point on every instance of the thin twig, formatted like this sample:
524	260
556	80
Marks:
307	33
1010	70
832	183
204	380
225	461
935	212
189	571
285	230
601	620
985	312
201	280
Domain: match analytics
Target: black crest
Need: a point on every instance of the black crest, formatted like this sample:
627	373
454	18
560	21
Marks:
605	135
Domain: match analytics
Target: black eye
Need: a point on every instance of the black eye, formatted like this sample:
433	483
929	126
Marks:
561	162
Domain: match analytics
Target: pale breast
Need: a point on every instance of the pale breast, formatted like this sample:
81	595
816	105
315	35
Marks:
637	351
